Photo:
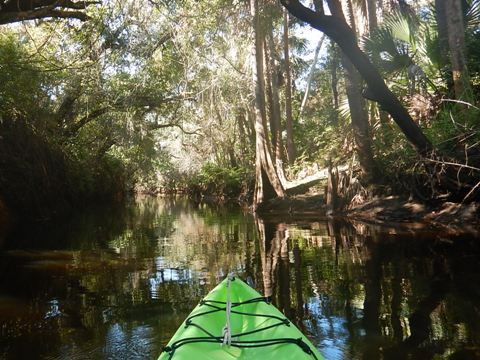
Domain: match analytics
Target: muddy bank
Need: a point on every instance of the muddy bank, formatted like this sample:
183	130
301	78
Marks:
389	211
299	206
448	215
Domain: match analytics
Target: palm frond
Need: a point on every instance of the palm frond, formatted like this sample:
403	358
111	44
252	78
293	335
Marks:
401	27
381	41
403	40
344	110
472	17
299	45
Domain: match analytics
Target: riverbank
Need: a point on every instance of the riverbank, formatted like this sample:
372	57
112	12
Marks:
42	179
450	216
387	210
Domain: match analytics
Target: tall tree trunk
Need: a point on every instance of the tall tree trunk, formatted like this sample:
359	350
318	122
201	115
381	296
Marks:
242	137
372	15
250	124
267	183
357	105
372	26
272	75
269	100
339	31
442	30
310	76
359	115
334	66
456	43
291	150
318	5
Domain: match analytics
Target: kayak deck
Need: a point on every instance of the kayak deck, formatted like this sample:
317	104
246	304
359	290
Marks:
258	329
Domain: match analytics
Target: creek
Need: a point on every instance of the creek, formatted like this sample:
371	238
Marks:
115	283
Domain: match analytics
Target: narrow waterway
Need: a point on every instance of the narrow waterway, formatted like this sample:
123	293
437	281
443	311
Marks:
116	283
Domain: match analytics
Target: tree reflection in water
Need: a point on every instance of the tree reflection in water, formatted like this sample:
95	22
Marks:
370	293
118	284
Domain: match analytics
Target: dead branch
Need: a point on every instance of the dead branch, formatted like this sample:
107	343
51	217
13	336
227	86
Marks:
471	192
452	164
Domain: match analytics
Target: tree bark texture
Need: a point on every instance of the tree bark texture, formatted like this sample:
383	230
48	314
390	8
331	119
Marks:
359	116
441	18
372	15
272	75
334	66
374	8
291	150
269	99
267	183
456	43
357	105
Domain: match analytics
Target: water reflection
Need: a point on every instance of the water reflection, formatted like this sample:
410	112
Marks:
117	284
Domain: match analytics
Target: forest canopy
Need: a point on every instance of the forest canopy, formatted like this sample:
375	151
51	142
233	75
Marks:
232	98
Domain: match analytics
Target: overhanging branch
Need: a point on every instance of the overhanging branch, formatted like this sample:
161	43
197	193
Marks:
15	11
123	105
338	30
75	127
161	126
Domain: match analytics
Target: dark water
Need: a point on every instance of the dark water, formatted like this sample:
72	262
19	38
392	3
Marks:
116	283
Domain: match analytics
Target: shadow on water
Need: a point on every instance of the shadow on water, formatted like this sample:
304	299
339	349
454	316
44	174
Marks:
116	283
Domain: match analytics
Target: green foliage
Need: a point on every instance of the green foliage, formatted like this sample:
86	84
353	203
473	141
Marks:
159	94
21	78
221	181
323	133
407	39
393	150
406	44
455	129
323	141
38	179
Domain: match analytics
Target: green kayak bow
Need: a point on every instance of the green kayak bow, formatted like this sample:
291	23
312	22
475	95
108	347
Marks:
235	322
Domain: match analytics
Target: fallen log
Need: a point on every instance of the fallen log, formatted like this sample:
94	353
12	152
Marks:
301	186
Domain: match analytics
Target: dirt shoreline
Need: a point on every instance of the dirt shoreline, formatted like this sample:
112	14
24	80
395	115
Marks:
387	211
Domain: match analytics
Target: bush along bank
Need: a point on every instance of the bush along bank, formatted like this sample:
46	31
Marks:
39	180
221	183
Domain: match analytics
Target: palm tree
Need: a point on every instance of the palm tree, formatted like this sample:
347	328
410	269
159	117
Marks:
413	50
403	46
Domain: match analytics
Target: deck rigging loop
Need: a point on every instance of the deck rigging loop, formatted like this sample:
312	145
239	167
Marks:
235	340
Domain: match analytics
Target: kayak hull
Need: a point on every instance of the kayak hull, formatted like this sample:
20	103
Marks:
258	329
